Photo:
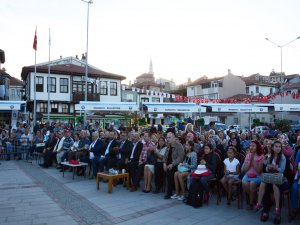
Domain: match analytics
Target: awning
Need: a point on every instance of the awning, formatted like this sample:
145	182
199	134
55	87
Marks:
107	106
174	108
11	105
236	108
287	107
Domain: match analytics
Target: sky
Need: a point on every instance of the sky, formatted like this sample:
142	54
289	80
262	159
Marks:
184	38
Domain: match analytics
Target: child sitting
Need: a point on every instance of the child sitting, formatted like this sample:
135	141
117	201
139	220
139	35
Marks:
232	170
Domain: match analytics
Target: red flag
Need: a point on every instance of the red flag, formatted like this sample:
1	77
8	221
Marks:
35	41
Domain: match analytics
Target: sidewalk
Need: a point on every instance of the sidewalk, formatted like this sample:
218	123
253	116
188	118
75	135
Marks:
36	196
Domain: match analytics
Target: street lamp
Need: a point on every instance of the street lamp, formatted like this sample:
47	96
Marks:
86	57
281	46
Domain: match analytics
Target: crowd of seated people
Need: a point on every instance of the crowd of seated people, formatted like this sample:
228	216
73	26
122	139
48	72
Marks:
166	160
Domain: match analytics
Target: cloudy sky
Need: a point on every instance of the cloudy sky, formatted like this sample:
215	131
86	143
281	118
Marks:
184	38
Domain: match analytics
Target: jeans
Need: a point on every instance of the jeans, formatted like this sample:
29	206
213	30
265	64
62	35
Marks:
204	181
295	195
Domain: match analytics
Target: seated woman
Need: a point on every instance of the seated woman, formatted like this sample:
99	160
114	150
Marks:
149	167
189	164
159	165
276	164
296	188
209	159
74	147
252	167
232	170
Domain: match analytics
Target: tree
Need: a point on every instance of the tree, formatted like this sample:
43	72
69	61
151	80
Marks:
142	121
283	125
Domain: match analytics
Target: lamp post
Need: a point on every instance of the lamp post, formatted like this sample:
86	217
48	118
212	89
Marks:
281	46
86	57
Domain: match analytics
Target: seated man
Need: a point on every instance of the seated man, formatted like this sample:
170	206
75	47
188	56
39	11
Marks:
109	158
96	149
147	146
67	144
83	147
48	150
133	162
125	147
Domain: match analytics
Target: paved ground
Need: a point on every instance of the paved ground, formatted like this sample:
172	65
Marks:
35	196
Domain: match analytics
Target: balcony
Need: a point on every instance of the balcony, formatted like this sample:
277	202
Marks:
79	96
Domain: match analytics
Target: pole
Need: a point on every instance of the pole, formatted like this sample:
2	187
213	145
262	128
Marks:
281	74
86	65
48	81
34	91
281	81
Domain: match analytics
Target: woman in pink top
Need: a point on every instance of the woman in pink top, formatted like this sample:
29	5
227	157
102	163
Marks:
252	167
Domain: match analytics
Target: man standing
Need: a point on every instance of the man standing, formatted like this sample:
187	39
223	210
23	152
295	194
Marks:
173	156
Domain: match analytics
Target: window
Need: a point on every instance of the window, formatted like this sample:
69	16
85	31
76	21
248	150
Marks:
247	90
39	84
43	107
52	84
54	107
103	88
13	93
155	99
220	84
65	108
144	99
77	86
64	85
257	89
235	120
271	90
206	85
113	89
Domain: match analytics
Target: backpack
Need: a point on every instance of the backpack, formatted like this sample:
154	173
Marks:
195	197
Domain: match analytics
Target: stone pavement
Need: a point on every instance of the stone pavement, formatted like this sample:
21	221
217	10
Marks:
36	196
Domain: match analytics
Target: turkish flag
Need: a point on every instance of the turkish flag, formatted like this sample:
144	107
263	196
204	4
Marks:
35	41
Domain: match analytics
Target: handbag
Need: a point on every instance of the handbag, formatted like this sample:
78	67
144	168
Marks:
200	172
272	178
182	168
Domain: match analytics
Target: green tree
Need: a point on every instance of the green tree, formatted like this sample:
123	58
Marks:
283	125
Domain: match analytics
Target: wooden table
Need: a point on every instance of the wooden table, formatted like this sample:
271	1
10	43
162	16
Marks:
111	178
73	166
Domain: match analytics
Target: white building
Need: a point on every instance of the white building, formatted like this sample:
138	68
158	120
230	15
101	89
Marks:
67	86
216	88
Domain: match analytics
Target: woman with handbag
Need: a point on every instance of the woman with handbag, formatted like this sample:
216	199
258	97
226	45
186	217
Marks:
149	167
159	165
252	167
272	179
183	170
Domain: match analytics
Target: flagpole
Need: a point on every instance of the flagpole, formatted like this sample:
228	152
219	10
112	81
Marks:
48	81
34	91
34	79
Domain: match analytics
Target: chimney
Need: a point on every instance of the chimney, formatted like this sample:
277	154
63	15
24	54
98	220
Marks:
76	56
189	80
229	72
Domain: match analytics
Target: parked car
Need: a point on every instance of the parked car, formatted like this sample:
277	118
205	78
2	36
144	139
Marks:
261	129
